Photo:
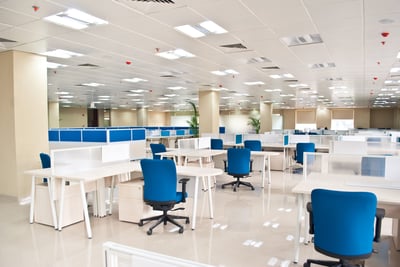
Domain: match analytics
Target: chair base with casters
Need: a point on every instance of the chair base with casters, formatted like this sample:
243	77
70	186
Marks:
164	218
340	263
237	183
165	207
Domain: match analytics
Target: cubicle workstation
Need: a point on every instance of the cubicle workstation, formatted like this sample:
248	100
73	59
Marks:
80	137
351	172
168	136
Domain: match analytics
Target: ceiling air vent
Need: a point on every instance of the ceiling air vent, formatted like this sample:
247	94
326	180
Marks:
89	65
271	68
158	1
239	46
3	40
291	81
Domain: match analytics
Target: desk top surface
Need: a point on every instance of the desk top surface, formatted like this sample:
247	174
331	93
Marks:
99	172
209	153
387	191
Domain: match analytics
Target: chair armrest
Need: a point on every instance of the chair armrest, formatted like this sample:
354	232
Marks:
380	213
311	218
184	181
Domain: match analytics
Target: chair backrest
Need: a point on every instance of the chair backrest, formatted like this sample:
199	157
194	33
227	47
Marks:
373	166
238	161
343	222
160	180
45	160
156	148
253	145
301	148
217	143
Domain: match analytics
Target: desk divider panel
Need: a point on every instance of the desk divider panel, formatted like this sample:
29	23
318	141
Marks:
116	255
351	164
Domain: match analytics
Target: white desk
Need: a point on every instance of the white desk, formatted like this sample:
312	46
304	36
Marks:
205	153
387	193
98	173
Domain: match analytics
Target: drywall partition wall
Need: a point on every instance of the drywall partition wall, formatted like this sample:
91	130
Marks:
381	118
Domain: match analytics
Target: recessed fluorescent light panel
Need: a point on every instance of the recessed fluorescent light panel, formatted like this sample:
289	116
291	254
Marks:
134	80
93	84
201	30
302	40
175	54
254	83
75	19
176	88
60	53
224	72
52	65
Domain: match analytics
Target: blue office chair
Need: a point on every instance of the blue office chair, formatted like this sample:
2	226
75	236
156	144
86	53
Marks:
253	145
157	148
160	181
343	226
46	163
217	143
300	149
238	166
373	166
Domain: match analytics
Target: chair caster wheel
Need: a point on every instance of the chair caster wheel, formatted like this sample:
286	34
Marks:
149	232
180	230
140	223
187	221
223	187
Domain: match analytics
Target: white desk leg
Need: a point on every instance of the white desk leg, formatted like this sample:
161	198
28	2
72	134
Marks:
300	201
32	209
85	209
263	173
195	197
62	193
50	186
210	204
269	169
112	192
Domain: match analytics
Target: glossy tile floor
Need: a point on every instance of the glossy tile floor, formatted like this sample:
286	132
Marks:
250	228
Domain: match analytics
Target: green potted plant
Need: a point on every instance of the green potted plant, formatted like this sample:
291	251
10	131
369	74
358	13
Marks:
193	122
255	123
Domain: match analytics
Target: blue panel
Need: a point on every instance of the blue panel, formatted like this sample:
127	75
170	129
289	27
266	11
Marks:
94	136
120	135
285	140
139	134
54	135
180	132
238	139
221	130
165	133
70	135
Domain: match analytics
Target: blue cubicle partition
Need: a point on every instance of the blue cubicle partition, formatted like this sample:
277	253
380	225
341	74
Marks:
138	134
180	132
71	135
97	135
54	135
94	135
165	133
238	138
119	135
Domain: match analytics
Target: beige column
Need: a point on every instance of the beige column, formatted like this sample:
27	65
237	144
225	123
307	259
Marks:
24	120
208	112
54	115
265	117
142	117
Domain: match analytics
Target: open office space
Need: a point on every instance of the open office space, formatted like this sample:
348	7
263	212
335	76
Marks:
94	84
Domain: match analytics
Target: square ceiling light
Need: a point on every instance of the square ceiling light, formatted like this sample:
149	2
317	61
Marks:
75	19
201	30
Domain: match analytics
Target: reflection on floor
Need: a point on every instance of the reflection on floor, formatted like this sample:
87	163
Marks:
250	228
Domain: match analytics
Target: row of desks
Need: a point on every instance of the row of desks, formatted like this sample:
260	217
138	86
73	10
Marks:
98	174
